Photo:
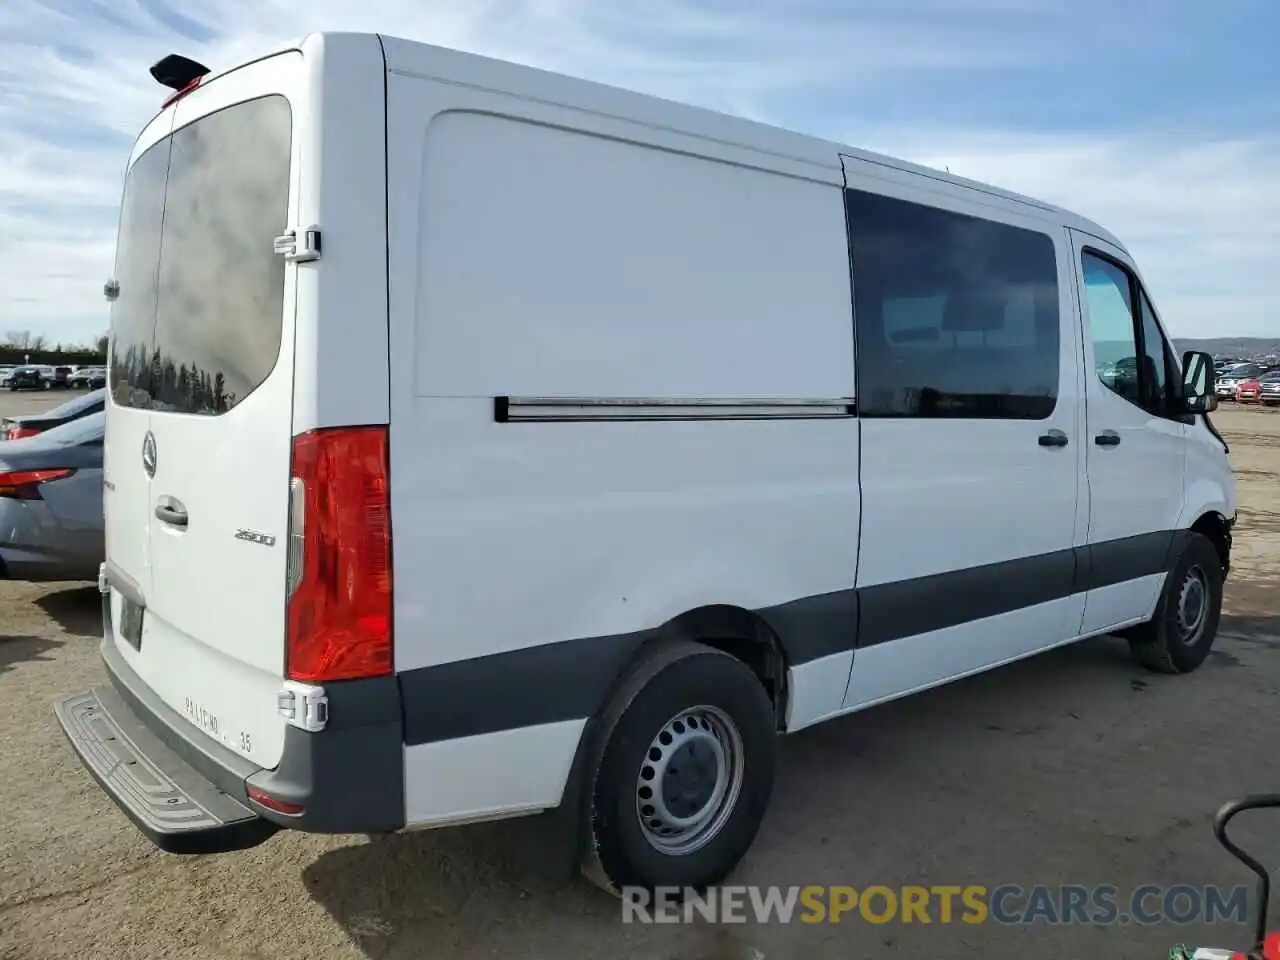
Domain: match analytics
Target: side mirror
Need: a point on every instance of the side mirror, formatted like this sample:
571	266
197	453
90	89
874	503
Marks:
1202	404
1199	384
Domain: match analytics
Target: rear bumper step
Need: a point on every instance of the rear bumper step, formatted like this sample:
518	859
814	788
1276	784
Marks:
169	801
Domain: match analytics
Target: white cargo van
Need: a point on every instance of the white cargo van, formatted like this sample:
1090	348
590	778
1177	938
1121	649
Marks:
484	442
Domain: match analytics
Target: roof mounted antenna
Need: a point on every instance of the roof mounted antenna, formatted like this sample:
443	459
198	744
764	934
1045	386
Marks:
178	73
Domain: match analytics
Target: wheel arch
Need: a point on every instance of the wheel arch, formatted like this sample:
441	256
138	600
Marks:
743	634
1215	525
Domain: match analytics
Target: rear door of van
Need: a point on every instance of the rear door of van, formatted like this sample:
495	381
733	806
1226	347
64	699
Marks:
200	419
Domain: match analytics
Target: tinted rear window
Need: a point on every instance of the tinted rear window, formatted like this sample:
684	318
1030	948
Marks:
201	332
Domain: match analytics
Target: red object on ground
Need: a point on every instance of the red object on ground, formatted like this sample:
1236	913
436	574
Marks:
1271	946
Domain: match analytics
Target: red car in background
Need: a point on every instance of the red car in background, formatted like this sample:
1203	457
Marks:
19	428
1249	391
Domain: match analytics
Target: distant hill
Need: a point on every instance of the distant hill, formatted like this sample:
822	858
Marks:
1243	347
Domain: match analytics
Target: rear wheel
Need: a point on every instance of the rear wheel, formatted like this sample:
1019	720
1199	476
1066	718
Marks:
683	771
1181	634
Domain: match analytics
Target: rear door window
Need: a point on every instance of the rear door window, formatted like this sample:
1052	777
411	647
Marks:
219	291
133	312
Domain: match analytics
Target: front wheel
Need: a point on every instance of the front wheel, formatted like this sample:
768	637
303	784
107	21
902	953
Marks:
1181	634
684	772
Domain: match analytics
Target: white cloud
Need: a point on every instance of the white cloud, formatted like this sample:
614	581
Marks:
74	89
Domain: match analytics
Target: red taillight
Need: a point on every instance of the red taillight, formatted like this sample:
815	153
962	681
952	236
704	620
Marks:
339	606
179	94
25	484
17	432
273	803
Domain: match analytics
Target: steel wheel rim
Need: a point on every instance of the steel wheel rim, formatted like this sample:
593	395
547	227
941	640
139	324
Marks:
1193	606
690	780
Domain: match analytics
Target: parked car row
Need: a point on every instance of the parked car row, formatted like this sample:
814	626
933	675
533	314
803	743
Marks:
51	511
36	376
1249	383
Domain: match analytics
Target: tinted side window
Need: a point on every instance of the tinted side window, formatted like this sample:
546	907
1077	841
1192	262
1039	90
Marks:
956	316
221	291
133	313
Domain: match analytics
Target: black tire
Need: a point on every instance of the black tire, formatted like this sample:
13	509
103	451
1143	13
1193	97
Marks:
668	681
1174	640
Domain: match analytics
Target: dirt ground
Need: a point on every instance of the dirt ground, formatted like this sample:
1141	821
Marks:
1074	767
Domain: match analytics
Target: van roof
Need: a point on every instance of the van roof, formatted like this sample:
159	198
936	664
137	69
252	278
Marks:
428	60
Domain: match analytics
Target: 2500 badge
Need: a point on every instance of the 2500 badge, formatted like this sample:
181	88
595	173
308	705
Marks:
211	724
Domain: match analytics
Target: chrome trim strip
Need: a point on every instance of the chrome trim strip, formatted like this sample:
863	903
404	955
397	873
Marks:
570	409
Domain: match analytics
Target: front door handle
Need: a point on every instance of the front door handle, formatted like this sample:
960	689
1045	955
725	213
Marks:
1054	438
1107	438
172	512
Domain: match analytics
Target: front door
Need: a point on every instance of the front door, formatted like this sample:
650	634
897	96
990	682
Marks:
1134	435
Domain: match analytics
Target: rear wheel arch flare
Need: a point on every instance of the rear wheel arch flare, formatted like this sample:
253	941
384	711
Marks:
741	633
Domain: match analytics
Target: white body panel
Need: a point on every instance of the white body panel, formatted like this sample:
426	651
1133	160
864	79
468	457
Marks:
492	775
534	255
892	670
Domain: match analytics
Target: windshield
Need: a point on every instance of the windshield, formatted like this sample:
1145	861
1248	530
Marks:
87	403
201	332
74	433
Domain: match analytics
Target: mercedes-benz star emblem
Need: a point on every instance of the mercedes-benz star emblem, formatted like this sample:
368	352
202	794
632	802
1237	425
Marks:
149	454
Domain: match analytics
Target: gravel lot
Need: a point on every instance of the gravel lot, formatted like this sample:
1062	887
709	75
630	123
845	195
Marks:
1073	767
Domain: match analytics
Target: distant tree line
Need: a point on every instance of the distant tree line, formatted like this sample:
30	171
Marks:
22	346
167	386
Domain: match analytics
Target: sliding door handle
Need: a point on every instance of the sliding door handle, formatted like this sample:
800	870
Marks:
1107	438
1054	438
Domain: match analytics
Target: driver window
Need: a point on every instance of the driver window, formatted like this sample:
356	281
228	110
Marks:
1131	356
1115	344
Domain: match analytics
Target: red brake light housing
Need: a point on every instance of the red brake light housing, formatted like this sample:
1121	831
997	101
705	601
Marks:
180	93
17	432
339	569
25	484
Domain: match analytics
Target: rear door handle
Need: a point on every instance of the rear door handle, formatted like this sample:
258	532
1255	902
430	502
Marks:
172	512
1107	438
1054	438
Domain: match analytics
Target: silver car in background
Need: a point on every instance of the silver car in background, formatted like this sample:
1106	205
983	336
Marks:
51	522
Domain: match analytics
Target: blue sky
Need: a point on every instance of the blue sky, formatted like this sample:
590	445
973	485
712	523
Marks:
1159	120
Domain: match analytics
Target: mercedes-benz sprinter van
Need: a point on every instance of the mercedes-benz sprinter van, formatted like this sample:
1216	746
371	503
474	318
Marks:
483	442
